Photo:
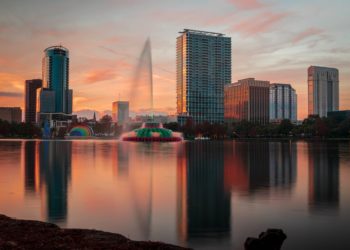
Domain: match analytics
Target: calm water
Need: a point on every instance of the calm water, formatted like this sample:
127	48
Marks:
206	195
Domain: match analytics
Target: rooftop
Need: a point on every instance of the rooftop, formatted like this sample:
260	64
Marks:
200	32
60	47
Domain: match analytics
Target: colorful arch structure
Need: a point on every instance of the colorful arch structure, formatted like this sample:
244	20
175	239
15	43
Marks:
81	131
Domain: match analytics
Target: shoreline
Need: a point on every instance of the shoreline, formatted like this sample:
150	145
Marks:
31	234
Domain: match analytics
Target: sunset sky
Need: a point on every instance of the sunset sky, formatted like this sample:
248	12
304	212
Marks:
273	40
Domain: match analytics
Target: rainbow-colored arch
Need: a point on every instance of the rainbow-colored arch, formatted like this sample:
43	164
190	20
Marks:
81	130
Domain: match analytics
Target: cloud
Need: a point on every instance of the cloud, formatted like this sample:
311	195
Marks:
247	4
100	75
10	94
259	24
306	34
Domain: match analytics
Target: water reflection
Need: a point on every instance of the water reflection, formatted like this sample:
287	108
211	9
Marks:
204	204
30	178
250	167
54	175
323	176
200	194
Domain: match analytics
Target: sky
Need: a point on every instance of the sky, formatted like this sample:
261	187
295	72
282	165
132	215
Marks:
274	40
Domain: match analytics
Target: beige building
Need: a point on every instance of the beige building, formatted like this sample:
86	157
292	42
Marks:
247	99
323	90
11	114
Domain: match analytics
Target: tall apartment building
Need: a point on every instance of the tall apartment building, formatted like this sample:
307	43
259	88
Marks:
283	102
247	99
120	112
323	90
31	87
11	114
203	69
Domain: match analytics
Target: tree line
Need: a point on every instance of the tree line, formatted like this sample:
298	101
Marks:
19	130
311	127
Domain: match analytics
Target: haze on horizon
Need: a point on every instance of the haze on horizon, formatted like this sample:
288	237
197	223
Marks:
271	40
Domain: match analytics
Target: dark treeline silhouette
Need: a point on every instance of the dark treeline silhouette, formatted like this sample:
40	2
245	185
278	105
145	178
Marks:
19	130
312	127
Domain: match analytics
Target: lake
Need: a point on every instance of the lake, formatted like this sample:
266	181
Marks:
205	195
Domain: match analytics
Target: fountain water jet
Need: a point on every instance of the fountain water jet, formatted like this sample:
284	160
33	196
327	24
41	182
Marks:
150	131
143	80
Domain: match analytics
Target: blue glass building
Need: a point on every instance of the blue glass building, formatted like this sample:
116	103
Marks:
56	78
203	69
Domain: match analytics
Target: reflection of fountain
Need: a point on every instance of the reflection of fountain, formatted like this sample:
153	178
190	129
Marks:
143	83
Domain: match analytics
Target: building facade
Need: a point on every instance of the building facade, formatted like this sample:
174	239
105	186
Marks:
203	69
283	102
247	99
11	114
323	90
31	87
56	77
120	112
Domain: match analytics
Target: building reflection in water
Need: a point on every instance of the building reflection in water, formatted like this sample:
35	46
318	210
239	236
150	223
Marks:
283	164
250	167
48	168
323	176
30	164
203	204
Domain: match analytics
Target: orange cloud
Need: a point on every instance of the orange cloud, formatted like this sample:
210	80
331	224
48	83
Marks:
258	24
100	75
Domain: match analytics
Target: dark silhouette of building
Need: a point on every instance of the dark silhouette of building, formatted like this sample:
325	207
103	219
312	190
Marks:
31	99
323	176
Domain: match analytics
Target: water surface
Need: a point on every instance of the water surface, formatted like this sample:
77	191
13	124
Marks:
206	195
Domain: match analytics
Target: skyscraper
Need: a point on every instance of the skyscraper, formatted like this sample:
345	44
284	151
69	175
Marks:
31	99
283	102
323	90
203	69
56	77
247	99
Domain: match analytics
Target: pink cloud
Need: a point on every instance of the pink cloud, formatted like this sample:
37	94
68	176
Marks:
306	34
259	24
247	4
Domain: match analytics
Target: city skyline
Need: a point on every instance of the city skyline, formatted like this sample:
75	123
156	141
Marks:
278	48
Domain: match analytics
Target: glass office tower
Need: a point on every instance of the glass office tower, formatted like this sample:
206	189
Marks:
203	69
56	77
283	102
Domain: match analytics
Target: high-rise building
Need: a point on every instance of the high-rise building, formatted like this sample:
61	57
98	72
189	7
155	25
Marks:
120	112
203	69
283	102
11	114
56	77
323	90
247	99
31	87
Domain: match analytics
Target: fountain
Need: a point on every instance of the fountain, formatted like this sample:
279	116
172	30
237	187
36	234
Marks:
150	131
